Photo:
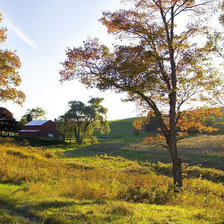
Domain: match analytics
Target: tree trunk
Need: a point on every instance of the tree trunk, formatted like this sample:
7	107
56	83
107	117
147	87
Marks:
78	135
177	172
79	141
176	163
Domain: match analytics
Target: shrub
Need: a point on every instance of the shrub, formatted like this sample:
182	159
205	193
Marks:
142	193
220	126
209	174
164	169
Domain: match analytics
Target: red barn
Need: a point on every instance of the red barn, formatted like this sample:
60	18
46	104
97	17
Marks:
40	128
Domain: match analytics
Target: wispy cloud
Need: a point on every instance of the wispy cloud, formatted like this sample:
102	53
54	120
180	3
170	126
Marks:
19	33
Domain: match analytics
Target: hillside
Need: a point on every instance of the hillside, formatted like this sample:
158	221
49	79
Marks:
122	125
124	128
109	183
122	131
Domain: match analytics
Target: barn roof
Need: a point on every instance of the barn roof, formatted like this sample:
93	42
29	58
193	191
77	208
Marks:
36	123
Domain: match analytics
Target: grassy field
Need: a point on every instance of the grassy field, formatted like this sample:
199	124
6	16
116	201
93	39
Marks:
116	181
122	131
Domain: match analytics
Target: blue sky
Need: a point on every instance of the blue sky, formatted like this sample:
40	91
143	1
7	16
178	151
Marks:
40	31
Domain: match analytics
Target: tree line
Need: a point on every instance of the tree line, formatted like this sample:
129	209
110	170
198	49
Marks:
78	122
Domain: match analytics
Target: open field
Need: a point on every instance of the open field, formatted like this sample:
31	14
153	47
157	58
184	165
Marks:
110	182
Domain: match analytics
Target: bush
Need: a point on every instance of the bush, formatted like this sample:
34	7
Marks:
209	174
142	193
220	126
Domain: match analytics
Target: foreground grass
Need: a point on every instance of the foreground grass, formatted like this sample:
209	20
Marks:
70	210
61	185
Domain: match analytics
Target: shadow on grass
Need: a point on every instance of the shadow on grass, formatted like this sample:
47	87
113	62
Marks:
56	204
154	155
119	149
39	142
32	213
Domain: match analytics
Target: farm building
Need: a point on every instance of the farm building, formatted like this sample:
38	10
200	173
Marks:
40	128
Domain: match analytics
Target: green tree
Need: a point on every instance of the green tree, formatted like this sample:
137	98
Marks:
65	127
31	114
35	114
81	119
161	67
9	77
21	123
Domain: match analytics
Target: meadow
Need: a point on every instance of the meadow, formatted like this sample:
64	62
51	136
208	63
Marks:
118	180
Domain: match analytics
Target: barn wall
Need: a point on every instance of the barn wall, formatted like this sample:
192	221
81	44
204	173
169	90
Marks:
32	127
45	129
49	128
29	134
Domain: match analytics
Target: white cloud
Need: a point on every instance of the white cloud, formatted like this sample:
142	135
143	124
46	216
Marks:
19	33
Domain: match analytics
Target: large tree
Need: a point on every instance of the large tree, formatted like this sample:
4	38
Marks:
9	77
81	120
162	66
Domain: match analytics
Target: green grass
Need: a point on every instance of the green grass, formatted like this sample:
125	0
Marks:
121	131
124	124
110	183
204	151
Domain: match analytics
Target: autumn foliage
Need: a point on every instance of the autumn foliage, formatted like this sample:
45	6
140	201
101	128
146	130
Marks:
9	77
188	121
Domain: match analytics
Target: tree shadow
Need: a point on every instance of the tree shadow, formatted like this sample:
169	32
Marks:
124	150
44	205
132	151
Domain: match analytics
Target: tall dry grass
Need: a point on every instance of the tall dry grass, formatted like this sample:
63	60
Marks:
41	176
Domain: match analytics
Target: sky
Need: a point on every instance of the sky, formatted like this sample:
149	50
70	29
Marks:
40	31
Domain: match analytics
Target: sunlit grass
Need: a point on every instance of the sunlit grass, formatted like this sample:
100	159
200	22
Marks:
103	188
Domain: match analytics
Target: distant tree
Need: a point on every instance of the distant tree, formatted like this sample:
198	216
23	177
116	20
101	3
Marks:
65	128
35	114
31	114
7	122
29	117
9	77
21	123
81	119
161	67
